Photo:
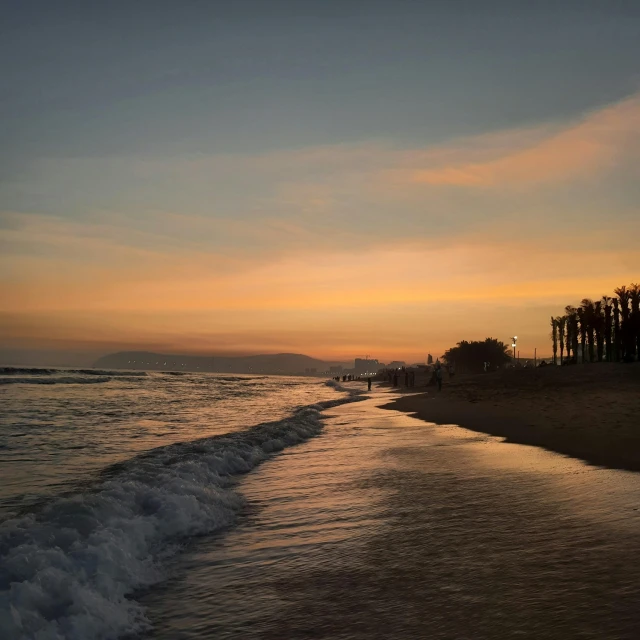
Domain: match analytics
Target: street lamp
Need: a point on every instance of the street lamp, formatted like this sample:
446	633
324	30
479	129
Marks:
513	344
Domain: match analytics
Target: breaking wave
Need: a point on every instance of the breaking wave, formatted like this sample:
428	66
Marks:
58	380
33	371
68	571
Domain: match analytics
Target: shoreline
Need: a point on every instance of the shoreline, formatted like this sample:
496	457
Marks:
591	413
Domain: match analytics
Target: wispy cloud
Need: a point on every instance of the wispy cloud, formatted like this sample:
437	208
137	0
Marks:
592	145
327	245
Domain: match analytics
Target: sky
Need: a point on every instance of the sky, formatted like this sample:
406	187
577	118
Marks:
336	178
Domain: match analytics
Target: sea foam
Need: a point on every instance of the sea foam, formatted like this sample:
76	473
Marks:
69	570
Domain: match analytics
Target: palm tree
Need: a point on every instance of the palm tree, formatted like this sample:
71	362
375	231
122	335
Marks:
573	332
624	295
569	330
554	338
606	302
561	323
589	319
598	326
583	333
634	339
617	335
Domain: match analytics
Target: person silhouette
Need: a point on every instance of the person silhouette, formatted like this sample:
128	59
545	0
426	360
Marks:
439	376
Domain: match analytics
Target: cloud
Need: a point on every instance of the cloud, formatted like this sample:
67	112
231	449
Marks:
593	145
337	245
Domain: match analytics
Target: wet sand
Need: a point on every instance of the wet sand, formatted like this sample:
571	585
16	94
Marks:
386	527
591	412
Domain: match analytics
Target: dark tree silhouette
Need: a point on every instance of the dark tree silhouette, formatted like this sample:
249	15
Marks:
617	334
624	296
554	338
561	323
573	333
589	320
583	334
634	318
471	356
598	327
607	329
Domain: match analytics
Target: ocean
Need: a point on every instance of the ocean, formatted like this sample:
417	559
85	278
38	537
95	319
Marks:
183	506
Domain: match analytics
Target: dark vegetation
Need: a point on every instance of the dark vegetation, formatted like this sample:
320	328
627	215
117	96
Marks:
469	357
605	330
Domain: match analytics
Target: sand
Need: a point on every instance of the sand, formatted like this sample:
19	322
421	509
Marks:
591	412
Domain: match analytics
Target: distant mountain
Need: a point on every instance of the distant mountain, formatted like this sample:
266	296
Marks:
279	363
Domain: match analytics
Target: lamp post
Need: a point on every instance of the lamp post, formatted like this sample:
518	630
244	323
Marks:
514	340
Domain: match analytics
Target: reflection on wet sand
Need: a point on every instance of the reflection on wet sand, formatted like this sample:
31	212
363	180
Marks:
388	527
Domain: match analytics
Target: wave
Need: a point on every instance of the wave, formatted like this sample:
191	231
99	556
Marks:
25	371
68	570
33	371
108	372
60	380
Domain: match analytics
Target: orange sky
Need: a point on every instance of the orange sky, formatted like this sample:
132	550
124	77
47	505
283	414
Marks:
342	251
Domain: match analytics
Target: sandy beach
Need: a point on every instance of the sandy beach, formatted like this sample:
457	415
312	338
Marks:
590	412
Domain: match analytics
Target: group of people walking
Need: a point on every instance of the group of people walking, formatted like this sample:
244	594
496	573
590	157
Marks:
409	377
350	378
435	376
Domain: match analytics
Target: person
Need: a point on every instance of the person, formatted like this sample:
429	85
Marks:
369	384
439	377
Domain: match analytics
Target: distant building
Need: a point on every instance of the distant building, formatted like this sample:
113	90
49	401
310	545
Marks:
365	365
336	369
396	364
311	371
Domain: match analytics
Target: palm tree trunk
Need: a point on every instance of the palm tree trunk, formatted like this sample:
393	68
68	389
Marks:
634	339
607	332
554	339
616	331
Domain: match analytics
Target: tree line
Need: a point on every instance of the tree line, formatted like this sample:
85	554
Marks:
605	330
470	356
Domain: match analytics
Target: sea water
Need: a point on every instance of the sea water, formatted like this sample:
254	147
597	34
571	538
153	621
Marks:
234	507
105	474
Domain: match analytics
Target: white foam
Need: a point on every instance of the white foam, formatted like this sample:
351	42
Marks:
68	571
56	380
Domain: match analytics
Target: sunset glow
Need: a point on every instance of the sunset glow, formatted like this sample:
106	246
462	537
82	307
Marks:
386	241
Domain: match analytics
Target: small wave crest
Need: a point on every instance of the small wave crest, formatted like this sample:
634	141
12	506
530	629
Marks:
58	380
68	570
109	372
36	371
26	371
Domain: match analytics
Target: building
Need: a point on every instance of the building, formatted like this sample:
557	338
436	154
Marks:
366	365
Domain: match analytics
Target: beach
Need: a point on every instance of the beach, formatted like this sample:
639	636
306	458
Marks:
259	507
591	412
387	527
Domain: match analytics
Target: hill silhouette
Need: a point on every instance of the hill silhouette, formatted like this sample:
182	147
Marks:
279	363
